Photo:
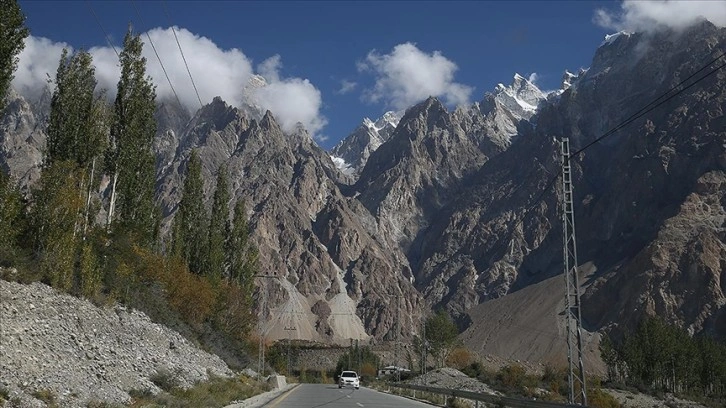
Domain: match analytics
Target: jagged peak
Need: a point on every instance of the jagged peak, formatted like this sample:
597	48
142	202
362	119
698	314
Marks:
268	121
431	103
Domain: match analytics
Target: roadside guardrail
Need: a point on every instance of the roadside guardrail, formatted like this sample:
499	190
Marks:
487	398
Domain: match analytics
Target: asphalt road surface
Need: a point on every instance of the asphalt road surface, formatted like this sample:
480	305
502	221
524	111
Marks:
330	396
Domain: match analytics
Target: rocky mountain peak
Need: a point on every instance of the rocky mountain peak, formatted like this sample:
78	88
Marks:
351	154
521	98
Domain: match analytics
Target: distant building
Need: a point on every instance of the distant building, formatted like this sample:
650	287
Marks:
388	370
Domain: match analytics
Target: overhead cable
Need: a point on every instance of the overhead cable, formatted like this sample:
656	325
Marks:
108	39
163	3
157	54
638	114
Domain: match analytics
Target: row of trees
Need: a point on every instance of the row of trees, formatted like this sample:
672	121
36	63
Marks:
661	357
91	226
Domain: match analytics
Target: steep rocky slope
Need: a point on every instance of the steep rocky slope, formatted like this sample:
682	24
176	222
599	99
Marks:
63	346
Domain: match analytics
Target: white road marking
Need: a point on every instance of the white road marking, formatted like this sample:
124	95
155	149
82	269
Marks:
359	404
347	396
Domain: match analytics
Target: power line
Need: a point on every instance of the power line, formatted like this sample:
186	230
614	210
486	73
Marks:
108	39
163	3
648	108
157	54
638	114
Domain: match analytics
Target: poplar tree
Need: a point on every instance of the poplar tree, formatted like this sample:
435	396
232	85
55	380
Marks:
241	253
130	158
219	226
56	209
12	37
11	211
77	128
193	216
73	133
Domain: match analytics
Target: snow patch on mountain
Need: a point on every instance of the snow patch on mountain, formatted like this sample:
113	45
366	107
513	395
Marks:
351	154
521	98
610	38
342	165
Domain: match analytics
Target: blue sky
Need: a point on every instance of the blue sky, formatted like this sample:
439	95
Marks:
322	45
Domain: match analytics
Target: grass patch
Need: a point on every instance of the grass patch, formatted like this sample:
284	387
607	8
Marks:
216	392
4	395
46	396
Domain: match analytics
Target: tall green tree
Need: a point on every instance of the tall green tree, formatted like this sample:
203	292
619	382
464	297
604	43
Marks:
78	124
441	335
56	209
73	131
241	252
12	37
130	158
219	226
193	216
11	215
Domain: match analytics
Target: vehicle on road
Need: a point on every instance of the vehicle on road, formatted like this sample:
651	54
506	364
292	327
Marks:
349	378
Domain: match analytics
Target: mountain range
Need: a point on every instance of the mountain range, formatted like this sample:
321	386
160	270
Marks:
458	208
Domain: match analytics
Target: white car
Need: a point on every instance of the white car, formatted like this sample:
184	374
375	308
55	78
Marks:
348	378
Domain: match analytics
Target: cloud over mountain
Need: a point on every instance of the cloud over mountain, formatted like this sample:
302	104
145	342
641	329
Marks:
408	75
657	14
216	72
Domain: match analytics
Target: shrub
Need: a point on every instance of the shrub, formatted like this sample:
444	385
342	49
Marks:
597	398
459	358
512	376
164	379
46	396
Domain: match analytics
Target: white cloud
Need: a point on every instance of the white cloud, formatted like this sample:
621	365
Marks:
533	77
270	68
36	63
656	14
346	86
293	101
408	75
216	72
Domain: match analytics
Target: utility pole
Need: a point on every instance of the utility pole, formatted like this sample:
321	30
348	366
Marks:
397	343
289	330
260	325
358	354
576	377
424	346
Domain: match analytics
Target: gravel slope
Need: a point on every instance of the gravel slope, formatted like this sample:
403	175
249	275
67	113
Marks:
61	345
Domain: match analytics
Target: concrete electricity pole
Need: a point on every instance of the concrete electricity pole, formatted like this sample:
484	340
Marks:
260	325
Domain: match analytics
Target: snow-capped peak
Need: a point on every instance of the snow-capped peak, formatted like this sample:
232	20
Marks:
610	38
351	153
389	118
521	97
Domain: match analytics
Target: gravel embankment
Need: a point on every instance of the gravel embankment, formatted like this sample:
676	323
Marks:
58	345
451	378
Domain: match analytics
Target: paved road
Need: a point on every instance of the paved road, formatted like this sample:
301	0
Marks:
329	396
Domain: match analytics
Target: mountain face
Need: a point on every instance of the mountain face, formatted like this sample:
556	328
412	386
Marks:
22	137
648	257
455	209
351	153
